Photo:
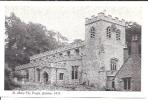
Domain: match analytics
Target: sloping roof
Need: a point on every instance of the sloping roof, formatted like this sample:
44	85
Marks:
67	47
131	66
23	66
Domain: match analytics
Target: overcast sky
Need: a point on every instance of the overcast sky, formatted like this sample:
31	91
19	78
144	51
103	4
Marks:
70	20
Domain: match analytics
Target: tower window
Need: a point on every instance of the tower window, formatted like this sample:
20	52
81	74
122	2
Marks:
127	83
114	64
74	72
77	51
118	35
61	76
108	33
92	32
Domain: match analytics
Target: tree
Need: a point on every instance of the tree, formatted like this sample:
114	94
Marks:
24	40
133	28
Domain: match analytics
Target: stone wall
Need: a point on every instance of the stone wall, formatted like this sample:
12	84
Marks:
101	49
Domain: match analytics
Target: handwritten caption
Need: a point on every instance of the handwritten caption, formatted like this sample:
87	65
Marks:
36	93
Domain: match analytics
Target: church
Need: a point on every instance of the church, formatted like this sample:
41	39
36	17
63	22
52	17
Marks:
93	62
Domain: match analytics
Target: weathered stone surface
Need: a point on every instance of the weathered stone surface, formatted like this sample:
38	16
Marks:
93	59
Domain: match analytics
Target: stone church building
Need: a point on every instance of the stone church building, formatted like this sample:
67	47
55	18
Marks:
93	62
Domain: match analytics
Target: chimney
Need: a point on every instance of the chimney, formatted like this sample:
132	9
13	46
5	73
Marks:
134	45
126	55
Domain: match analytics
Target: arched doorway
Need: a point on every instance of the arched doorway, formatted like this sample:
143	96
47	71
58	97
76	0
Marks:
45	77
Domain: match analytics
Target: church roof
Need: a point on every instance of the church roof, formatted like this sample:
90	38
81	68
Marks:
23	66
131	66
64	48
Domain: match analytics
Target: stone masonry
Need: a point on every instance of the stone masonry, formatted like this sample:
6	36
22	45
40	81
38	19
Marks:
93	62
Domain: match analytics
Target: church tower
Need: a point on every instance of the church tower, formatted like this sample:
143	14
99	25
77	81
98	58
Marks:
105	42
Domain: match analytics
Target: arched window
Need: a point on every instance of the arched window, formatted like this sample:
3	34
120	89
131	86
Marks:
118	35
38	74
74	72
114	62
92	32
108	33
45	77
27	75
77	51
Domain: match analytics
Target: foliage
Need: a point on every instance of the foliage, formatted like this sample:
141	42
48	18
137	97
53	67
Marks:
26	39
133	28
9	82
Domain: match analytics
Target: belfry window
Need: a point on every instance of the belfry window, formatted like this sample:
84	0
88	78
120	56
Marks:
74	72
77	51
108	33
118	35
92	32
114	62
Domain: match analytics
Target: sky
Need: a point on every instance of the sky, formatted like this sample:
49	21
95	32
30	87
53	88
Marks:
70	20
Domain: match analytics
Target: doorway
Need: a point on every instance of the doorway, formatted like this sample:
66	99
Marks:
45	76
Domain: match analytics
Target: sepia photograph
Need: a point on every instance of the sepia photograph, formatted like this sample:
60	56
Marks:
73	48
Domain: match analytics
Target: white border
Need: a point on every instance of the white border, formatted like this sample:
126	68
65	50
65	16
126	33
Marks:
113	94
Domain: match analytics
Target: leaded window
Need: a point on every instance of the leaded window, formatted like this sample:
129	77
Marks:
74	72
92	32
127	83
108	33
118	35
114	62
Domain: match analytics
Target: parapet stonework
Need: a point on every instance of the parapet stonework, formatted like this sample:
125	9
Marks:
102	16
93	62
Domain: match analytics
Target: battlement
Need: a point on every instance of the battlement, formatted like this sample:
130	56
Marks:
102	16
61	49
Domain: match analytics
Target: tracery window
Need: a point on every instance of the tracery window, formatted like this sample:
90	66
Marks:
108	33
114	62
127	83
118	35
92	32
74	72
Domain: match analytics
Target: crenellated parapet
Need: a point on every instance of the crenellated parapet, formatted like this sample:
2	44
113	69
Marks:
103	17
